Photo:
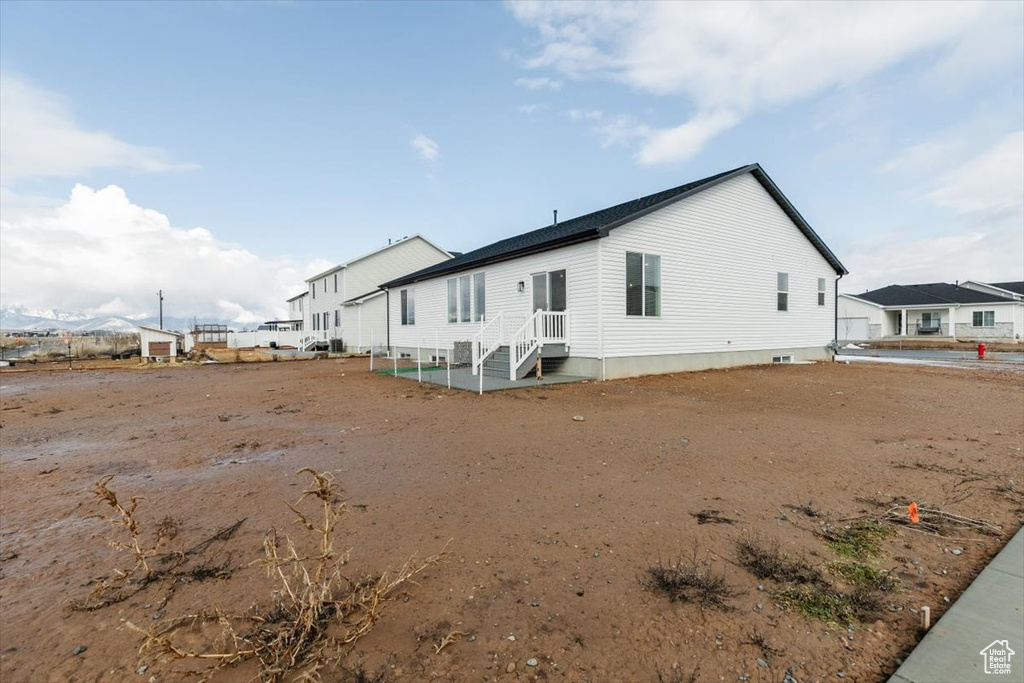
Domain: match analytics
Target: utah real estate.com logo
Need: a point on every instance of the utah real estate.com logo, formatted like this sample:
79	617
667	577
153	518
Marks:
997	657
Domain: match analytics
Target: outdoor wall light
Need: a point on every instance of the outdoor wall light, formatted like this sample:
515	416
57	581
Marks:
521	286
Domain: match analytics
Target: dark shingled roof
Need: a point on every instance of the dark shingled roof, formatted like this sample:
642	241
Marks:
1017	287
936	293
598	224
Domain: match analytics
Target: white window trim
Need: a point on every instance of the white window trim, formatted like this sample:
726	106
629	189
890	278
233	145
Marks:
983	323
410	306
643	287
779	290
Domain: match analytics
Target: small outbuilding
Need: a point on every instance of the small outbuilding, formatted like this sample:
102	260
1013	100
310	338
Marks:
159	344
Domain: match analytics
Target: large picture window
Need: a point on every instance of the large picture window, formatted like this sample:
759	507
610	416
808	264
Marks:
467	298
643	284
408	307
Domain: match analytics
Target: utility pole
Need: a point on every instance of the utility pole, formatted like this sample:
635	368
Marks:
161	295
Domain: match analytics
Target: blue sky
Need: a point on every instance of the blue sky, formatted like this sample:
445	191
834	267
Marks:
224	151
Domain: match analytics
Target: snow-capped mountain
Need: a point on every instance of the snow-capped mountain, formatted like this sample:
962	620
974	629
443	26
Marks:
19	318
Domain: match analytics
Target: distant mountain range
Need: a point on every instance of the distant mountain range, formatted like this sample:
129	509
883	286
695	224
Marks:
19	318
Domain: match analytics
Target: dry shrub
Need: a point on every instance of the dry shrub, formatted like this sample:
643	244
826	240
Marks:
315	611
690	581
765	560
151	562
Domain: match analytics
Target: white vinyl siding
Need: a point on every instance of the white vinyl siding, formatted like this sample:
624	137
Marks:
362	276
503	295
721	251
366	274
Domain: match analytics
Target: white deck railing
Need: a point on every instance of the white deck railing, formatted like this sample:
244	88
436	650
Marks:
543	327
487	341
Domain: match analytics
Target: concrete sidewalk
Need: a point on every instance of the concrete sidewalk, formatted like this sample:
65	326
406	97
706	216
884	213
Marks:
990	610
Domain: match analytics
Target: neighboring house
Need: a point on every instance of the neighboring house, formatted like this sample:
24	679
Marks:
1012	290
340	305
937	309
298	310
159	344
719	272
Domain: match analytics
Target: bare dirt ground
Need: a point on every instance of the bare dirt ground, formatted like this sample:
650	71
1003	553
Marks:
553	521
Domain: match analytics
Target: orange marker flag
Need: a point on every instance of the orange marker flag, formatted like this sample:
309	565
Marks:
912	511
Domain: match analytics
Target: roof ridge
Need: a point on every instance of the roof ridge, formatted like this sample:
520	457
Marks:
915	288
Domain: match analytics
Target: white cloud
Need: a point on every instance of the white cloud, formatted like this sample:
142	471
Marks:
993	254
98	253
427	148
984	193
924	157
990	183
584	115
673	145
530	109
41	138
728	60
539	83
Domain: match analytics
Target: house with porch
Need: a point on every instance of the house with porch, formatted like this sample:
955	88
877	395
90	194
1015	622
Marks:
937	309
718	272
343	308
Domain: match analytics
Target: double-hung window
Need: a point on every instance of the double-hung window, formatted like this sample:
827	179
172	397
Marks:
643	284
782	285
983	319
408	307
821	291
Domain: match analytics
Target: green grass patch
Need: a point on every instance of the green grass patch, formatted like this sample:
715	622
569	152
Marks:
863	575
859	541
828	604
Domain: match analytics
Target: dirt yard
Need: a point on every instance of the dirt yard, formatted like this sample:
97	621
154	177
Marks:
552	522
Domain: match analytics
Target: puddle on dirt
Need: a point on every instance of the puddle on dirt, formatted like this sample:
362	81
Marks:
269	456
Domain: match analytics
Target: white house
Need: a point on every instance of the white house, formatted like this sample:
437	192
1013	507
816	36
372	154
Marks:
719	272
1010	290
157	343
936	309
298	310
341	305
